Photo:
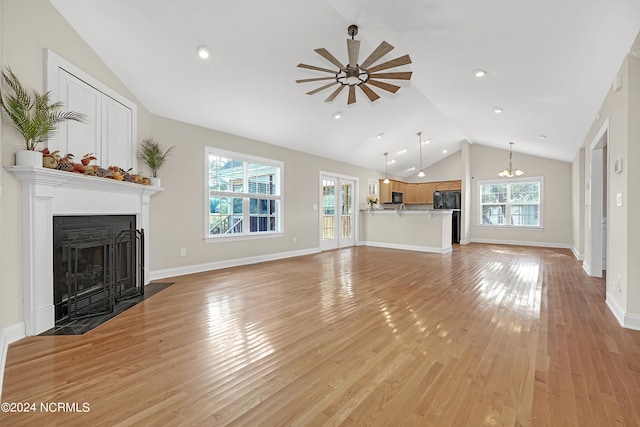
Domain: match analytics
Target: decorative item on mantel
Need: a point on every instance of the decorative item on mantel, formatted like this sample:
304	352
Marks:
33	115
151	155
372	200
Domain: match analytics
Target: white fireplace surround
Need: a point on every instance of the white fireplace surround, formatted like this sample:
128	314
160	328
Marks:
47	193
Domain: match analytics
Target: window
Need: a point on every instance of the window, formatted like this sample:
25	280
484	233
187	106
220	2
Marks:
373	188
513	203
244	195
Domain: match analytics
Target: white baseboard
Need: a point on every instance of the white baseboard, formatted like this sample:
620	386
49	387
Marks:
523	243
409	247
615	309
199	268
465	241
626	320
8	335
632	321
578	255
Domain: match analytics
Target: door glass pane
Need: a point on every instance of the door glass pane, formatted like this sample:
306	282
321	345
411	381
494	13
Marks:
328	208
346	217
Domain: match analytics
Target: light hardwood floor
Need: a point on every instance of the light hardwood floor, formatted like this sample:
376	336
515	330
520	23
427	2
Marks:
486	335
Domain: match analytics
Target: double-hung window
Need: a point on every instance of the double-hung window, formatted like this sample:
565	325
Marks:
243	195
511	203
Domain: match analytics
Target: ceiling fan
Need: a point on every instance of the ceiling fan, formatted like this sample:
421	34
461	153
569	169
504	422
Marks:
361	75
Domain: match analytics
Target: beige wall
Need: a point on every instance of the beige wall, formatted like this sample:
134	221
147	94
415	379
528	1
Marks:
577	204
632	167
178	213
486	162
6	318
28	28
615	111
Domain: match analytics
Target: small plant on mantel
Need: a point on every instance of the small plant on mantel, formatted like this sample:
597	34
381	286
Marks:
152	155
31	112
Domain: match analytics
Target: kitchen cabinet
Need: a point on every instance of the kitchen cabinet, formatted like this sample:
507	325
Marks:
385	192
416	193
411	196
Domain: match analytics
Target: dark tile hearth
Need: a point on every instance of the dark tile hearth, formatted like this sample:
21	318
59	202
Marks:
80	326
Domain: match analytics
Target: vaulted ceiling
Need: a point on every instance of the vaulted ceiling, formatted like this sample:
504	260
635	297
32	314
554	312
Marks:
549	65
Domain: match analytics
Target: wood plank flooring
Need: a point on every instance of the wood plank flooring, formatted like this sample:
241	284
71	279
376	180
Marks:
486	335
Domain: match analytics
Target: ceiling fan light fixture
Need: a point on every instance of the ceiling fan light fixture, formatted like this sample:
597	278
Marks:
354	74
203	52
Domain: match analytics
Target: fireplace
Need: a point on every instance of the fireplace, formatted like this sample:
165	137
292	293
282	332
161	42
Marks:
97	261
48	193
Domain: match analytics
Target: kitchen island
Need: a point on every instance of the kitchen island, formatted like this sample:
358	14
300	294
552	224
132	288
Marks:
425	230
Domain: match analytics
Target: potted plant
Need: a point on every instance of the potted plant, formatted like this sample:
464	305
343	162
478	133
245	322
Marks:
33	115
152	155
372	199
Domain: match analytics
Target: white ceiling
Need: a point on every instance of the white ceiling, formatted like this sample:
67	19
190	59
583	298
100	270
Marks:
549	63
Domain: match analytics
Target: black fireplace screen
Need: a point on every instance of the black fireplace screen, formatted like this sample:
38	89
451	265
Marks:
98	260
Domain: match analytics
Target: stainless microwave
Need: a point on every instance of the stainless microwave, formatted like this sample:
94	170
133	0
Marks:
397	197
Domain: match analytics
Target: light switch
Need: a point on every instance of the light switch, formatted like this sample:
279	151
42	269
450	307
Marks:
619	199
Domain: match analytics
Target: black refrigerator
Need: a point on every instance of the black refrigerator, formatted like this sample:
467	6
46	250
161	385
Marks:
450	200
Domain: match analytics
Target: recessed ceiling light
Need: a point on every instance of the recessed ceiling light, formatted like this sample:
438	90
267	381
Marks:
404	150
479	73
337	115
203	51
426	141
444	151
411	168
541	137
497	110
391	161
380	135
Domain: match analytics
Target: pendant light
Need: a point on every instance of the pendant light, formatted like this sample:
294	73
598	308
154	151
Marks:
386	169
510	173
421	173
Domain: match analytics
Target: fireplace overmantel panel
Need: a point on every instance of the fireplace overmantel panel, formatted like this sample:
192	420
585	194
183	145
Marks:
47	193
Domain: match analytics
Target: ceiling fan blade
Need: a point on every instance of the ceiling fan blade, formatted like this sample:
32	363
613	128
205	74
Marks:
334	94
353	47
405	75
382	85
369	92
380	51
321	88
329	57
315	80
352	95
313	67
403	60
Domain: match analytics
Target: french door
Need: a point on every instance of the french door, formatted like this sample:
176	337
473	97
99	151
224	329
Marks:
337	213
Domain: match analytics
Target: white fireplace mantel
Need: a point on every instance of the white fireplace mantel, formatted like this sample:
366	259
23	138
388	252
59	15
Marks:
47	193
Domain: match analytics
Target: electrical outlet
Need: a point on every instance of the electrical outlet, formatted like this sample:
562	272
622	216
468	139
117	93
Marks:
617	285
183	251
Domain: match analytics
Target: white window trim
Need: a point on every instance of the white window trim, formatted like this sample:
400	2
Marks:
510	181
245	158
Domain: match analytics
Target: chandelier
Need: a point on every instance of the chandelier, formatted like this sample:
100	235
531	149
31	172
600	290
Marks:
510	173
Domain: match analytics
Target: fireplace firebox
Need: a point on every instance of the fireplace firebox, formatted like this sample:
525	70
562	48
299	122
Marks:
97	261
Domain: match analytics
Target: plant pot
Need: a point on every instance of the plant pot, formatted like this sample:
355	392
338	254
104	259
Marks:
154	181
30	158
